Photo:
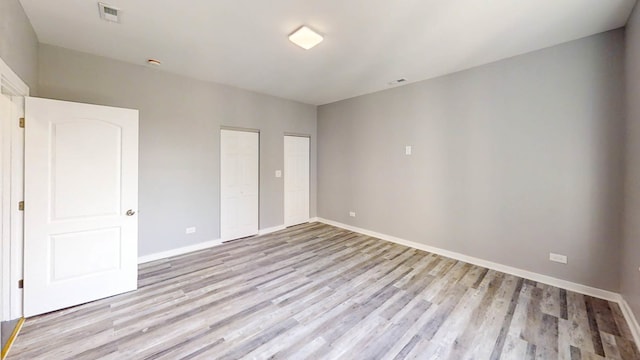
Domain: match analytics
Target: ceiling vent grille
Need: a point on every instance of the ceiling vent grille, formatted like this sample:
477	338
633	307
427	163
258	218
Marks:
109	13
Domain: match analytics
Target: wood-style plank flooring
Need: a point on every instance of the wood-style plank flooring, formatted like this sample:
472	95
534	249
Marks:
318	292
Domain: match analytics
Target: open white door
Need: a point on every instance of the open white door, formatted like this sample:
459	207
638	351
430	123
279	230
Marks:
296	180
81	194
239	183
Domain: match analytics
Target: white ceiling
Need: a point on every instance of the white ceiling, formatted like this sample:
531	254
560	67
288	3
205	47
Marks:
368	43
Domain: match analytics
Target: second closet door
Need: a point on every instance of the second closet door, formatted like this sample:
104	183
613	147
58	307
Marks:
296	180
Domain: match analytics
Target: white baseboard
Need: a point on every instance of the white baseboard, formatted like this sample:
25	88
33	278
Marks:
631	319
271	229
178	251
195	247
545	279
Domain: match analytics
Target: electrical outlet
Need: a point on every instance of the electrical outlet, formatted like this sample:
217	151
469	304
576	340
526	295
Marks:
190	230
562	259
352	213
278	173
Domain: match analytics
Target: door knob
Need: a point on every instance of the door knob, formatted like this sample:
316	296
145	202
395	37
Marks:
130	212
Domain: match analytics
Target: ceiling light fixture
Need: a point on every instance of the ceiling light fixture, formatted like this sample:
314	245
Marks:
305	38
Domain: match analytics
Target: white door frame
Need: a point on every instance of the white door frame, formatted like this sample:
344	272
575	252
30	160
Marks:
12	219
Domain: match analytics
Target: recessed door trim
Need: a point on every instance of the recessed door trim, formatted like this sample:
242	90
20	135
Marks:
235	128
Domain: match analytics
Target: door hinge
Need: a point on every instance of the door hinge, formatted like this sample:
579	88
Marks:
21	206
21	122
20	284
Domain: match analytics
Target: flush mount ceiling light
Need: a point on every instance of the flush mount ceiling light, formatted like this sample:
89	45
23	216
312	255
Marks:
305	38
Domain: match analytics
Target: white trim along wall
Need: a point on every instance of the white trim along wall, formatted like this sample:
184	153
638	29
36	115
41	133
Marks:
195	247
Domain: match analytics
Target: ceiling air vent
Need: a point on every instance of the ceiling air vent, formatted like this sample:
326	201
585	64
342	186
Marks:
109	13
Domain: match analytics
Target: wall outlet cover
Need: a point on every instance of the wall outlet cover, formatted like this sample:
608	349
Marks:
278	173
190	230
562	259
352	213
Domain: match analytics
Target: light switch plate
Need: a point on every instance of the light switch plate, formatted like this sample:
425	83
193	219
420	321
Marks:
407	150
278	173
190	230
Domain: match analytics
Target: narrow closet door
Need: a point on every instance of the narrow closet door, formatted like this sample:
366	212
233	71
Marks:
296	180
239	182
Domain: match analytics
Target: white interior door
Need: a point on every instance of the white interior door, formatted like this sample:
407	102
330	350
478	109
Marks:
81	194
239	183
296	180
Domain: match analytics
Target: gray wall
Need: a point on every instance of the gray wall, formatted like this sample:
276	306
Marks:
18	42
511	160
180	121
630	277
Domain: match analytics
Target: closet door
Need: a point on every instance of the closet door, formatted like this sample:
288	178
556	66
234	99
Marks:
239	183
296	180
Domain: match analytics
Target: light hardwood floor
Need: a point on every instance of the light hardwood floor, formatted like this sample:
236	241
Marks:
318	292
